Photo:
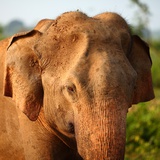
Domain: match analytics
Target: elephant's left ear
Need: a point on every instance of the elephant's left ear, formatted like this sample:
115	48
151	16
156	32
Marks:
141	61
22	74
17	36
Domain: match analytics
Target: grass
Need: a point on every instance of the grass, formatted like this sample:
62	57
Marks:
143	130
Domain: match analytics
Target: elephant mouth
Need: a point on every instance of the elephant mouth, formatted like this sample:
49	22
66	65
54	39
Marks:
71	128
68	130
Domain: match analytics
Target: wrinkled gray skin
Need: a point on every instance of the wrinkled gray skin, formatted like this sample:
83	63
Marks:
75	80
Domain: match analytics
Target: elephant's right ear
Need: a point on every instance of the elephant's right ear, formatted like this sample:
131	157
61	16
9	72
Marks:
43	25
22	78
141	61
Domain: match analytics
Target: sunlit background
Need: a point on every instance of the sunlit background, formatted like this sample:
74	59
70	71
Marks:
143	122
31	11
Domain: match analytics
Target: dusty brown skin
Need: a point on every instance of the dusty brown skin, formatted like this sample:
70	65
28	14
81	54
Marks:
75	80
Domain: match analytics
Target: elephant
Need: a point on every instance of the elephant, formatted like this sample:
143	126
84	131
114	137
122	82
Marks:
67	88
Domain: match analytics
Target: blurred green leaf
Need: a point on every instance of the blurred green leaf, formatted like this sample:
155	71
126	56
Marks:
143	131
1	32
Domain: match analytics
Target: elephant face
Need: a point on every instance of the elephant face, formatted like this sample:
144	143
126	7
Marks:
91	71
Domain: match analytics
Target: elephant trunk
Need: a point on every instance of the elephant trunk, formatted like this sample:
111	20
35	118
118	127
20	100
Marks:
100	131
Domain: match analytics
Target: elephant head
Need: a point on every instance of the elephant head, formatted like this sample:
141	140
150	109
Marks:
85	72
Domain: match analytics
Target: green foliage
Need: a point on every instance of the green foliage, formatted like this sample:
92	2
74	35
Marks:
141	5
1	33
156	46
155	55
143	131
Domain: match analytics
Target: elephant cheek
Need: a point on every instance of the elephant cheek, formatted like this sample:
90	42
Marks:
100	131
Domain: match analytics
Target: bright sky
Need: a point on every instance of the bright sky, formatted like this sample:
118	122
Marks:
31	11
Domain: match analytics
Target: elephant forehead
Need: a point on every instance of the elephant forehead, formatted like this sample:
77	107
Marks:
77	22
71	23
72	37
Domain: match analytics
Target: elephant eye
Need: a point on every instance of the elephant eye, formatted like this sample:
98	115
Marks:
70	92
71	89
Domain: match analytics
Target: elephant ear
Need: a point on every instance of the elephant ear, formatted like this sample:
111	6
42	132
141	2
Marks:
22	77
141	61
43	25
